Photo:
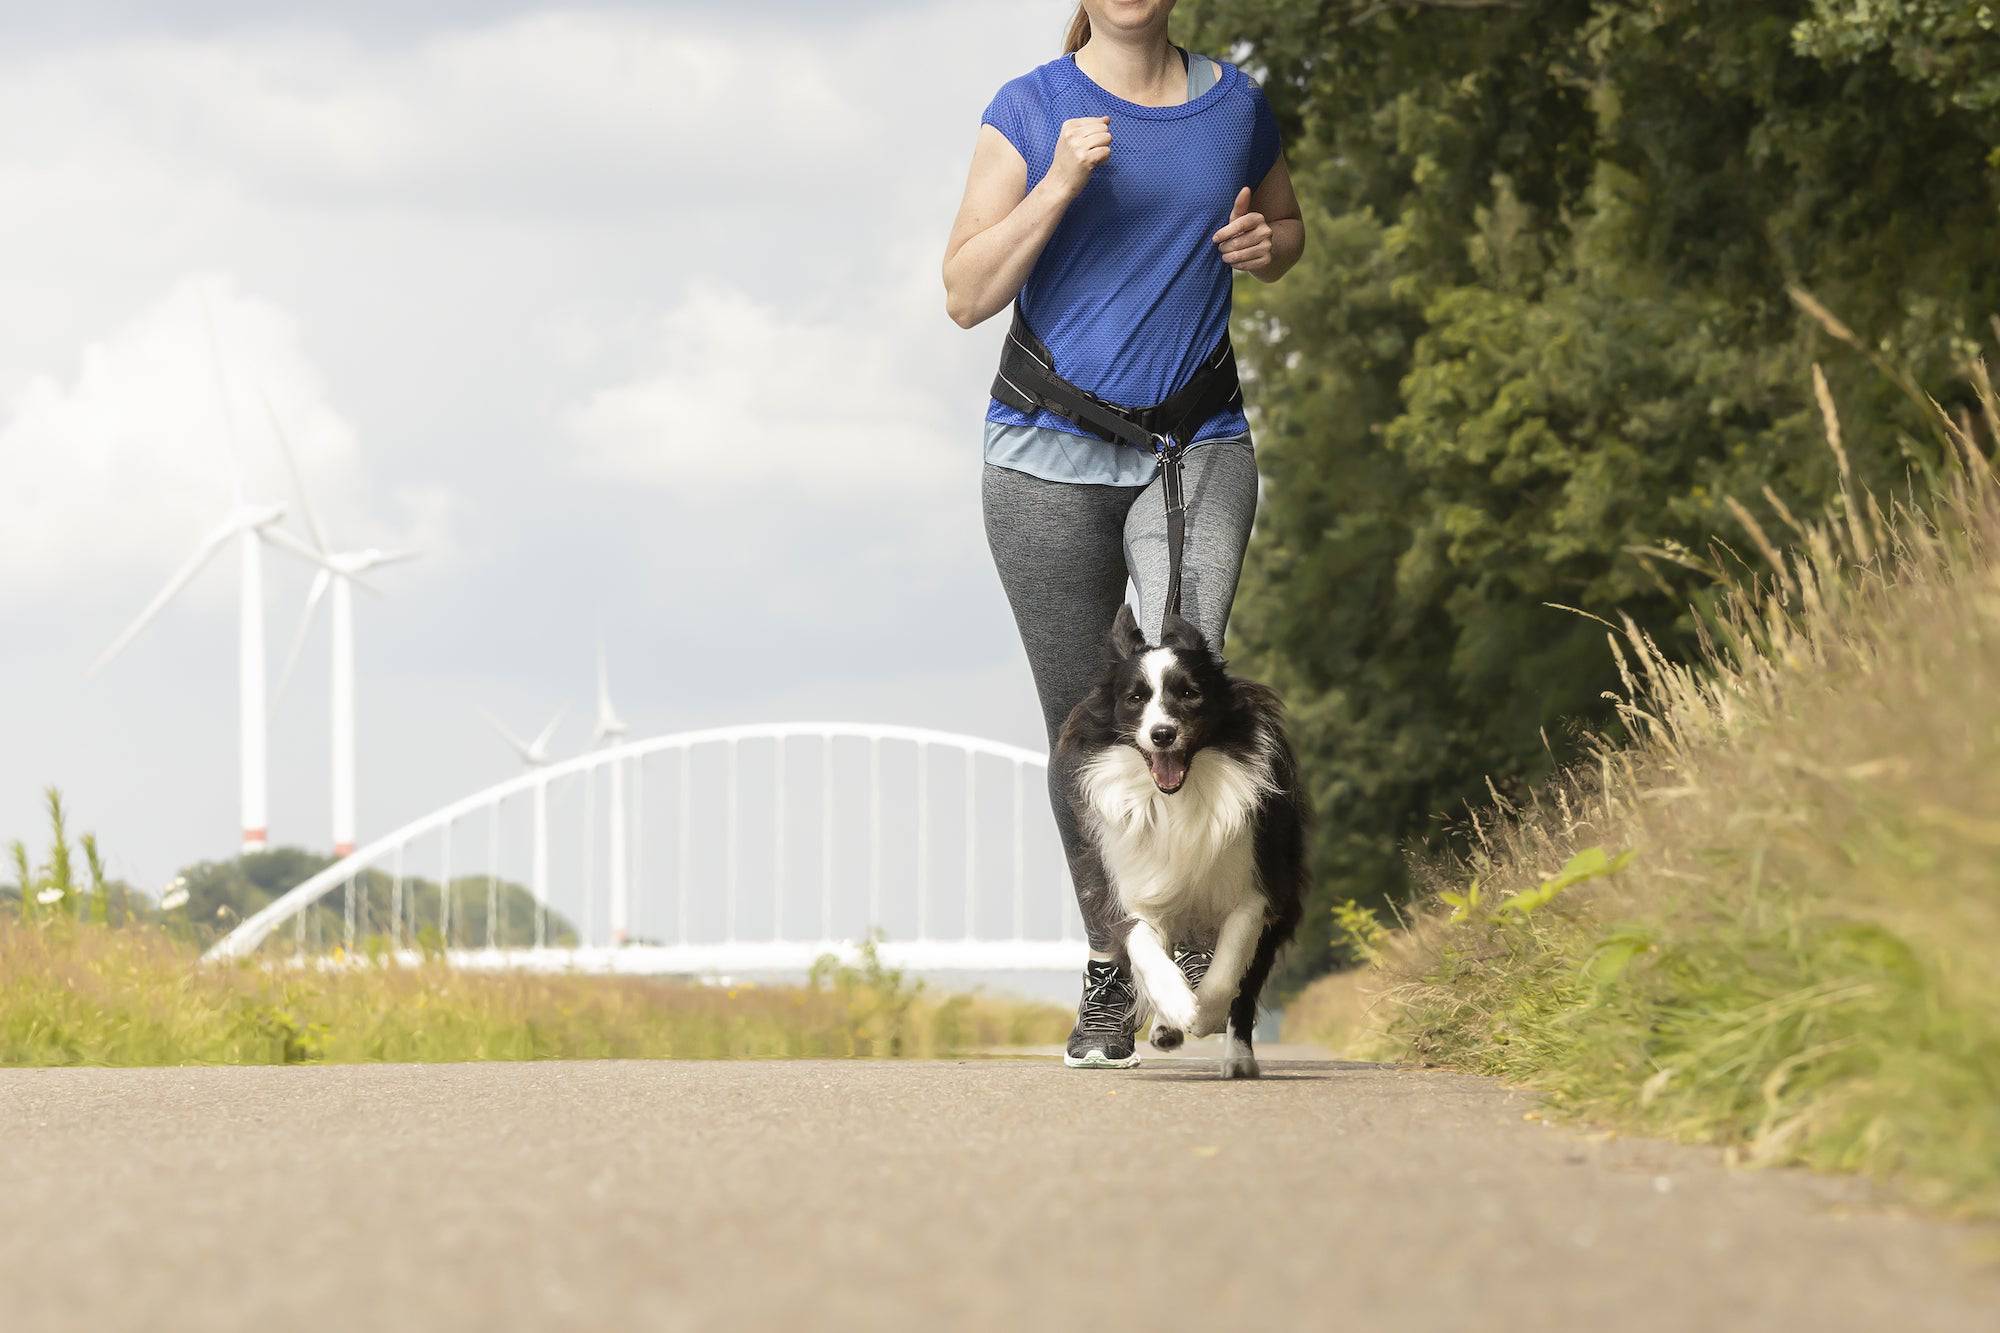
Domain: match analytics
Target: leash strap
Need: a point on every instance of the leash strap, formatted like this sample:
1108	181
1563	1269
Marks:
1027	381
1170	471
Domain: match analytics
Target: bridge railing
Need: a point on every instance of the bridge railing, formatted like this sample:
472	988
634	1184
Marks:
688	853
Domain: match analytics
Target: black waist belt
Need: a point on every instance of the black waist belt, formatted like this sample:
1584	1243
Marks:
1027	380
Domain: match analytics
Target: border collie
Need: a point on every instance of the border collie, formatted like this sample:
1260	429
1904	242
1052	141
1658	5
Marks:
1185	779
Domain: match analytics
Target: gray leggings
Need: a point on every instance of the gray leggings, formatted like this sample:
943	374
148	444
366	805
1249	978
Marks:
1064	551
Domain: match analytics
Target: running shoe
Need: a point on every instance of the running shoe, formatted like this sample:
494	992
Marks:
1107	1020
1193	964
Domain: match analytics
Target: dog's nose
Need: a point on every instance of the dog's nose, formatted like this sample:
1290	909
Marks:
1163	735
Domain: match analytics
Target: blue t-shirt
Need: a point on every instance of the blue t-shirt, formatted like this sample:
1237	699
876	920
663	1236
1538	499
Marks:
1130	292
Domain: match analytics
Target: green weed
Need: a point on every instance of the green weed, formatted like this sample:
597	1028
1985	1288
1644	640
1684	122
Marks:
1796	953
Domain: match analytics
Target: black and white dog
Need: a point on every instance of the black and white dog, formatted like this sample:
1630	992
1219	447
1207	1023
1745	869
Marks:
1185	779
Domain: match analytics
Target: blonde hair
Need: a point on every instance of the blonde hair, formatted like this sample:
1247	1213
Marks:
1079	31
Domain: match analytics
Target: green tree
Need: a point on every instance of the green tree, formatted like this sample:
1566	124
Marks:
222	893
1542	325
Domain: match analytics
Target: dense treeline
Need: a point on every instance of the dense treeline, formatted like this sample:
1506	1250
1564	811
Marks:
221	893
208	899
1542	335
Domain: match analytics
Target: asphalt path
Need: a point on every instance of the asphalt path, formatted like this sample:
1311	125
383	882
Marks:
984	1193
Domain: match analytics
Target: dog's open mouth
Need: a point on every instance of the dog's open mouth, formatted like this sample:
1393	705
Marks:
1169	769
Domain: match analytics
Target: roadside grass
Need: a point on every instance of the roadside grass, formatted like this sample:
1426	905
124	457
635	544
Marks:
1344	1012
1772	920
77	993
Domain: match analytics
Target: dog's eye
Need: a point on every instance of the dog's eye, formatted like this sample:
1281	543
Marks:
1136	696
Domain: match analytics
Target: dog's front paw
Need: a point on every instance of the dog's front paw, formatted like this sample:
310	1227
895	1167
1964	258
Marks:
1209	1018
1238	1060
1175	1009
1173	1014
1243	1065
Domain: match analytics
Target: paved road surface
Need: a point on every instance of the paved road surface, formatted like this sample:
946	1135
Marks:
974	1194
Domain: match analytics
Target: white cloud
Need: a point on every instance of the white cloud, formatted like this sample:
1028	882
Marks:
556	113
109	478
744	393
490	267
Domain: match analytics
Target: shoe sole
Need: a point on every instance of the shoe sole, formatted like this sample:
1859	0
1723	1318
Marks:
1097	1059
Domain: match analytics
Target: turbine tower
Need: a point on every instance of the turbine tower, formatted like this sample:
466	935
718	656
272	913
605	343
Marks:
249	526
607	731
340	572
535	754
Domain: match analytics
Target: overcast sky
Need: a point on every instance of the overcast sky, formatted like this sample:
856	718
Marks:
628	316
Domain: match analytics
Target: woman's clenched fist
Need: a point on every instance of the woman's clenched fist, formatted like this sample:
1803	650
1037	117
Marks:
1245	240
1083	142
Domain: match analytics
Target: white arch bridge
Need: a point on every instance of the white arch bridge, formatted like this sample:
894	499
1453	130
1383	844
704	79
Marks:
726	850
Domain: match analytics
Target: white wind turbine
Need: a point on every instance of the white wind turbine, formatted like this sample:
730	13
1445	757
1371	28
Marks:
535	754
608	729
249	525
340	571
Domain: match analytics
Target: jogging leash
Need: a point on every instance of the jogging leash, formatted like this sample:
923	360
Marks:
1027	380
1170	450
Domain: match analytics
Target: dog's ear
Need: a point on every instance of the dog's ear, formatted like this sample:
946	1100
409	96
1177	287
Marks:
1125	640
1181	635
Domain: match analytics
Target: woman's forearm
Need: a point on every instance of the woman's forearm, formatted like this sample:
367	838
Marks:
1288	242
982	276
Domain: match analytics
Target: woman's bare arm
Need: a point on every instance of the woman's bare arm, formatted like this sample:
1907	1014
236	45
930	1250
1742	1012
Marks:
1002	226
1269	234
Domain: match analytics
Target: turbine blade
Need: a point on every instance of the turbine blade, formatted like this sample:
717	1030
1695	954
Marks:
317	591
282	537
298	479
189	568
377	559
548	732
608	721
222	391
520	746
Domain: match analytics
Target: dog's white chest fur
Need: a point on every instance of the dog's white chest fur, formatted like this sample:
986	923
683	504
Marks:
1185	861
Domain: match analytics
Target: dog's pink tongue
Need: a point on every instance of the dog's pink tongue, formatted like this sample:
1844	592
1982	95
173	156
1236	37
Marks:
1169	770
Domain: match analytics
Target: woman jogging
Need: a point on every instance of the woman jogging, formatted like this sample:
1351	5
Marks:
1114	191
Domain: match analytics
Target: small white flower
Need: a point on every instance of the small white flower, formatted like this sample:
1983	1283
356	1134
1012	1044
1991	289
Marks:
47	896
175	896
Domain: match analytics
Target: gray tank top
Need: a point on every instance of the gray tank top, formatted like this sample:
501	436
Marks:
1058	455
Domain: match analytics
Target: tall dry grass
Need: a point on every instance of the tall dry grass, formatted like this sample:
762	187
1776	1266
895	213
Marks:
76	993
1771	917
86	979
